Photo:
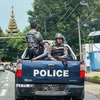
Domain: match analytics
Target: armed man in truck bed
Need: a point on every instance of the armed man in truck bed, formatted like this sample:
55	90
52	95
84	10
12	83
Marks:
30	38
58	50
41	48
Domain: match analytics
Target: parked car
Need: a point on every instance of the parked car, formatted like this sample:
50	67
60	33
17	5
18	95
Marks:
2	67
13	67
7	66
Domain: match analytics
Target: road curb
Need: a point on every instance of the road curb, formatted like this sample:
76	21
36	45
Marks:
90	79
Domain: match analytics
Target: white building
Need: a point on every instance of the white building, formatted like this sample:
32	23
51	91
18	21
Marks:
90	47
86	48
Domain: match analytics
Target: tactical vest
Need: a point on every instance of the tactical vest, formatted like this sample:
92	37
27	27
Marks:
57	50
30	38
39	49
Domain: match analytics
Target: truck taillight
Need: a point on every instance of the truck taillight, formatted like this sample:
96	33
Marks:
82	71
19	70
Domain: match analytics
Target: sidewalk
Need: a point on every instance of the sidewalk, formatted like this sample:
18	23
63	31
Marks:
93	77
92	88
92	74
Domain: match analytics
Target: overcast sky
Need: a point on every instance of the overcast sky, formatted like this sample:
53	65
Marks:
20	9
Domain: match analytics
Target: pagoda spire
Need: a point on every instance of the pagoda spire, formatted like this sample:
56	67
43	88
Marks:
12	27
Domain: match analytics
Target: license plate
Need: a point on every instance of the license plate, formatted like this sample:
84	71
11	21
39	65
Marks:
51	87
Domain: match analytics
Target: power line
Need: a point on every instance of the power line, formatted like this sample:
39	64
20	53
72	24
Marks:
62	16
69	35
71	12
56	14
60	19
81	24
12	37
75	29
57	22
65	18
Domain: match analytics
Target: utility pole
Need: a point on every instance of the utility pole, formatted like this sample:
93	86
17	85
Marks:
45	26
79	35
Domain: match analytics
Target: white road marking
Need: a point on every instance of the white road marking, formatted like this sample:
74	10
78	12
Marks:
8	72
7	75
3	92
6	78
5	70
2	82
6	84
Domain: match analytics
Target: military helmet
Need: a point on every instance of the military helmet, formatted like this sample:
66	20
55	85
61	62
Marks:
38	37
59	35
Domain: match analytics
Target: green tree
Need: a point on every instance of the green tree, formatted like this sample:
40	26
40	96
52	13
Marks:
1	31
55	16
13	48
26	29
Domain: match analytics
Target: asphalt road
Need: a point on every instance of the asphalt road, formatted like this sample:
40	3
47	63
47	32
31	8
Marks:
7	87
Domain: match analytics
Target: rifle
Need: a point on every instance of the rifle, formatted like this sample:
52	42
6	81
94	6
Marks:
64	61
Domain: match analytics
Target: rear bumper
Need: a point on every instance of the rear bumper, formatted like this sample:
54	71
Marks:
2	69
69	90
44	93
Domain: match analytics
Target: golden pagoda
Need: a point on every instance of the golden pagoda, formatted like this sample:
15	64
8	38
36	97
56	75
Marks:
12	27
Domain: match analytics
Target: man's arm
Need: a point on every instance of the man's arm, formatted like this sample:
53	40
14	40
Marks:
46	50
49	56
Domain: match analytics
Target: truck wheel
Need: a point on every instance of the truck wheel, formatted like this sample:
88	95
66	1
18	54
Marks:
67	98
17	97
76	98
79	98
30	98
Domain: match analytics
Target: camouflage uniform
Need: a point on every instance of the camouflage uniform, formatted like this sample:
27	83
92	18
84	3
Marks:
58	51
30	37
41	49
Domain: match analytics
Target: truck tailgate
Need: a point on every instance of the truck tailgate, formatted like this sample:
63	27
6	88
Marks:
50	72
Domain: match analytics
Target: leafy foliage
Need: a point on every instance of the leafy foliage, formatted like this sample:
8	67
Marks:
1	31
55	16
12	48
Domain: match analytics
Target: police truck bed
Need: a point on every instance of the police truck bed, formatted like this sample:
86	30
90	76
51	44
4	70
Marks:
46	78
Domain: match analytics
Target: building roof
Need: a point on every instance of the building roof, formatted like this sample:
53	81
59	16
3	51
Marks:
95	33
12	27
